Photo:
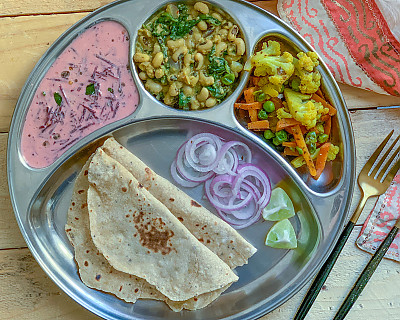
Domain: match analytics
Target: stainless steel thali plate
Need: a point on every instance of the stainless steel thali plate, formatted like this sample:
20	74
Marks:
154	132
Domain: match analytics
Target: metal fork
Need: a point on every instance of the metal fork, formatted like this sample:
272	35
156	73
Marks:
373	181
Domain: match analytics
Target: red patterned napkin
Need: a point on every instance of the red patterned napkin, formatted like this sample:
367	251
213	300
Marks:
380	222
353	37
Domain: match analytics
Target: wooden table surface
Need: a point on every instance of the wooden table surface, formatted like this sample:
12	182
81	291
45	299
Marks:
27	29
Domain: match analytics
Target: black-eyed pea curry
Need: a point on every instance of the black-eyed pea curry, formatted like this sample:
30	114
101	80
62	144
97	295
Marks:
190	56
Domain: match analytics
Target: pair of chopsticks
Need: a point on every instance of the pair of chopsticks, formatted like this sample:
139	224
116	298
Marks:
373	180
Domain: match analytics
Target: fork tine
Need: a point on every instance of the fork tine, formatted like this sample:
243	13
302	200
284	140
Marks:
373	157
395	168
378	166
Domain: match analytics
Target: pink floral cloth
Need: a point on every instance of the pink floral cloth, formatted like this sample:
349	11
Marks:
380	222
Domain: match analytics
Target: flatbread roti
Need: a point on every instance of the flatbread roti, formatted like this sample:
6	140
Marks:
94	269
213	232
138	235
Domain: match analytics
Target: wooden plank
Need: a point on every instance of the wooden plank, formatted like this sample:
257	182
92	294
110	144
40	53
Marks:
10	236
29	7
27	293
358	98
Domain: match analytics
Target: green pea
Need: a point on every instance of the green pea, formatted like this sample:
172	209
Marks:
269	106
311	137
299	150
322	138
281	135
261	97
295	84
228	79
262	115
312	147
276	141
268	134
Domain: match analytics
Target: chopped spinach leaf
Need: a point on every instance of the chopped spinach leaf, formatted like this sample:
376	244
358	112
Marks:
218	91
218	66
183	100
110	90
166	25
57	98
210	19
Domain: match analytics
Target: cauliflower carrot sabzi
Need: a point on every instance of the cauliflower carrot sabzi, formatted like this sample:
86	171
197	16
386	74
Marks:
284	103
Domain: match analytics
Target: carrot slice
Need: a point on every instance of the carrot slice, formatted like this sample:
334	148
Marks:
321	159
291	144
298	137
284	123
258	125
288	152
253	115
248	106
328	126
249	94
332	110
319	92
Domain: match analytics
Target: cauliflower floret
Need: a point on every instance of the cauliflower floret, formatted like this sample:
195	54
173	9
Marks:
271	89
310	78
303	109
332	152
281	113
271	63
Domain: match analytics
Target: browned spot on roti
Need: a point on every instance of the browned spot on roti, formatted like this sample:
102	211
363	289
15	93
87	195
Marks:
73	203
194	204
120	288
171	199
67	230
84	205
208	241
130	182
124	189
195	299
128	215
201	240
86	263
76	218
180	219
86	173
149	174
87	251
153	233
81	191
136	290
